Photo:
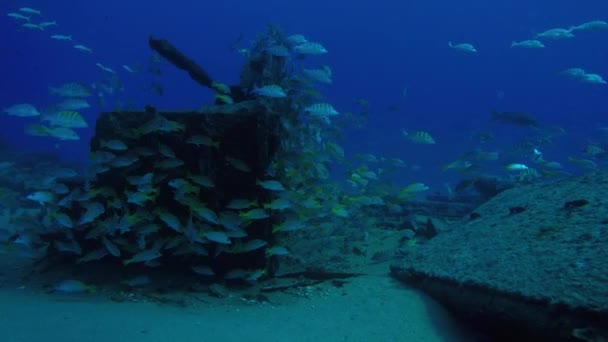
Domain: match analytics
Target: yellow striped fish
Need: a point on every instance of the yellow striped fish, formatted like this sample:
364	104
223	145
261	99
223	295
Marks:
65	118
321	109
419	137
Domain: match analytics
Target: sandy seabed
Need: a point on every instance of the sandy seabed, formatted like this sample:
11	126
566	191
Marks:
373	307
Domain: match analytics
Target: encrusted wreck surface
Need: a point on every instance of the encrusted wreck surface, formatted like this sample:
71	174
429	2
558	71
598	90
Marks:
530	262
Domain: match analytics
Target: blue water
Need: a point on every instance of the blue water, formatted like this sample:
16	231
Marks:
376	49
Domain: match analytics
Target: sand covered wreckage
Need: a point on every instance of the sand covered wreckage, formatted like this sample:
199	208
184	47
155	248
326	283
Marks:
530	264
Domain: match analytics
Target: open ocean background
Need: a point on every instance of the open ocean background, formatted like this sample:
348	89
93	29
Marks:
376	49
393	55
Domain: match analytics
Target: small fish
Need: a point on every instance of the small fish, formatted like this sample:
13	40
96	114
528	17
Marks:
29	10
593	79
219	237
278	204
202	180
183	186
594	150
166	151
141	180
310	48
161	124
42	197
101	157
143	256
254	276
271	185
61	37
412	189
221	87
203	270
140	198
73	286
515	118
73	104
111	246
144	151
464	47
254	214
92	212
531	44
203	140
248	246
138	281
238	164
584	163
206	214
169	163
271	90
70	246
321	109
65	173
319	75
60	189
419	137
104	68
230	220
18	16
94	255
223	98
590	26
296	39
278	51
83	48
516	167
72	89
33	26
170	220
124	161
277	251
575	73
22	110
237	273
240	204
65	118
63	220
340	211
556	33
62	133
128	68
46	24
552	165
460	165
289	226
113	144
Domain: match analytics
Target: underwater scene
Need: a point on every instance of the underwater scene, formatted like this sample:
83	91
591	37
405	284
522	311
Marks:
304	171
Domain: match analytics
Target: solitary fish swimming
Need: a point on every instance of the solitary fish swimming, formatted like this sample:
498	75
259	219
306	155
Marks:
22	110
271	90
531	44
515	118
556	33
464	47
